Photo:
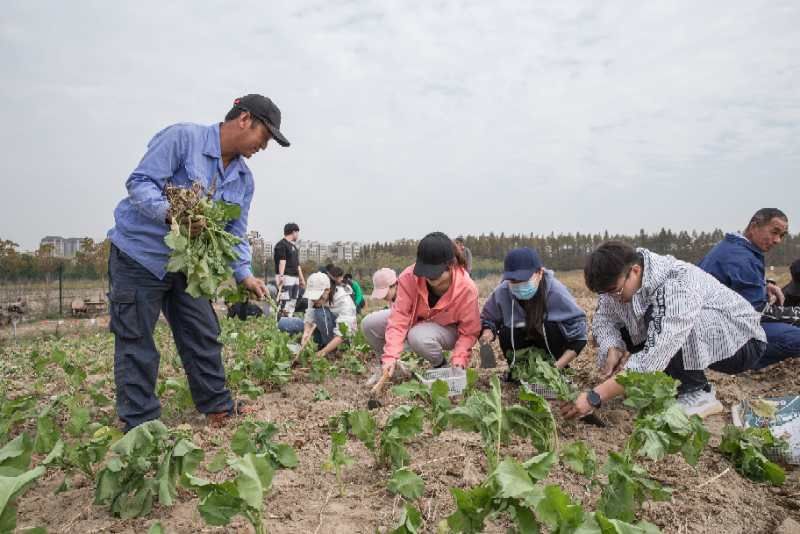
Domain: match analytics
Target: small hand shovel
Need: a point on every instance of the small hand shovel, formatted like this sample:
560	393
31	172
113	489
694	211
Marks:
376	390
487	357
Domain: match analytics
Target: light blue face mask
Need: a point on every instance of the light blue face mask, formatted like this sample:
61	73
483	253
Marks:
523	290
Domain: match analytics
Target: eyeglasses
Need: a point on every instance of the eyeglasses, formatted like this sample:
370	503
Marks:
617	294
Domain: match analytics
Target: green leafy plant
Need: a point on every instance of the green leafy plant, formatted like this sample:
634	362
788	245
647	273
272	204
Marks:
513	490
83	456
581	458
206	257
147	464
404	423
15	478
661	427
746	447
410	521
321	394
15	411
177	389
256	437
352	364
243	495
628	487
339	427
534	366
484	412
321	369
407	483
359	424
437	398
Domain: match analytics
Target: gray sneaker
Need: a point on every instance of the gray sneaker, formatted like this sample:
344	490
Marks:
701	403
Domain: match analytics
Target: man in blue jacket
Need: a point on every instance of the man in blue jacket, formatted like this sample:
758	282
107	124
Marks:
141	288
738	262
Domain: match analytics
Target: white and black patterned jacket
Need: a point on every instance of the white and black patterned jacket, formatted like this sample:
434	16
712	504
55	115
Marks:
678	307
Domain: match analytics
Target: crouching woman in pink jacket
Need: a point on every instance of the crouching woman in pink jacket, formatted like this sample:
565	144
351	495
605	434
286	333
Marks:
436	309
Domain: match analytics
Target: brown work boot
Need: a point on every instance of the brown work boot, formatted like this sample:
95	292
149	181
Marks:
220	419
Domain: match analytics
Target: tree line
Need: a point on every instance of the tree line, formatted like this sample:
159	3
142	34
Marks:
565	252
558	251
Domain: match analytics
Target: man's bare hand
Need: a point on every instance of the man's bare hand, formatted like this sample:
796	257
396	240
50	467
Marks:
775	295
579	408
255	286
615	362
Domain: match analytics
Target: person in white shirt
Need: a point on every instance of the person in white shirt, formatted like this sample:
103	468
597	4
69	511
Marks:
328	309
657	313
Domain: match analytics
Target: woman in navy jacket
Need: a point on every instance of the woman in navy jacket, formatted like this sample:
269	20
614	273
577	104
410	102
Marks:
531	308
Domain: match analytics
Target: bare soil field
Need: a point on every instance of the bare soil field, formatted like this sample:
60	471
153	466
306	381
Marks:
708	498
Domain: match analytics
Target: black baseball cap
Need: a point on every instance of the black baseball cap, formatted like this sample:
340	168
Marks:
434	254
520	264
264	110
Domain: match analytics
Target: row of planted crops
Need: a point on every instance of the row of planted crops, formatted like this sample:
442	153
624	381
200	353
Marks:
56	415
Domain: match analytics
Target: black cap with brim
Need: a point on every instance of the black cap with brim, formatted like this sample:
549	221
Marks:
429	271
520	275
264	110
276	133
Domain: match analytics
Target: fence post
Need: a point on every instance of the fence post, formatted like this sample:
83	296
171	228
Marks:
60	290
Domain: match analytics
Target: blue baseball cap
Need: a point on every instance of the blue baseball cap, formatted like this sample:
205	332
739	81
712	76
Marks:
520	264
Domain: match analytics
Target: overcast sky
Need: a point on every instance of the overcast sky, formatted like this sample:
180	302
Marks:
408	117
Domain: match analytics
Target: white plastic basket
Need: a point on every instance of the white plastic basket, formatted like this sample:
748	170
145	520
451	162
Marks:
456	379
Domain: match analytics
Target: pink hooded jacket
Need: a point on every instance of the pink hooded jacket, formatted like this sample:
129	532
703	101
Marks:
458	306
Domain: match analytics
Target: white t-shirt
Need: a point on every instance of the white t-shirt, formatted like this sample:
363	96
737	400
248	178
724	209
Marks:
343	308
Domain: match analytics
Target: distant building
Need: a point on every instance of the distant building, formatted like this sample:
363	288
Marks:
257	243
311	250
72	246
63	247
56	243
344	250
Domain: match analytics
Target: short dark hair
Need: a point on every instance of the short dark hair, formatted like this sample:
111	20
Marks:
334	271
348	276
236	112
607	263
288	228
765	215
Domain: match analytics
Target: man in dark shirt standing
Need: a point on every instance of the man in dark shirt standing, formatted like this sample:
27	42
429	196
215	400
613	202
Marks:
288	274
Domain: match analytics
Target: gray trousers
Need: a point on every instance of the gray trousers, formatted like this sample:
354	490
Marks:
427	339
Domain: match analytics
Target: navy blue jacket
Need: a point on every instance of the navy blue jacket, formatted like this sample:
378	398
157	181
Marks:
738	264
560	306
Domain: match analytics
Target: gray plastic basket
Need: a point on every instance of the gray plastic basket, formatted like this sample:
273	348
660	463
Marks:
541	390
455	378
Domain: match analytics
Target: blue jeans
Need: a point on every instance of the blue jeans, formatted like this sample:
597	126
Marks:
136	299
783	341
324	319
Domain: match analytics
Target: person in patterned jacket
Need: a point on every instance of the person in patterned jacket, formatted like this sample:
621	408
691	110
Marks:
657	313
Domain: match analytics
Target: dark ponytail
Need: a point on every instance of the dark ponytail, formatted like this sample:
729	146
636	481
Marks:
333	273
459	259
